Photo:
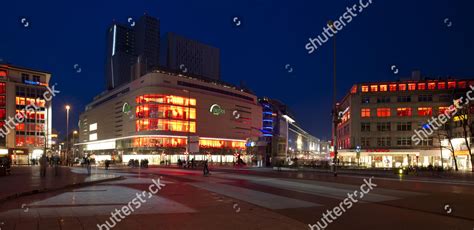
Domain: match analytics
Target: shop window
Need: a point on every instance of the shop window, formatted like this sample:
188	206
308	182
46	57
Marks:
365	112
383	112
425	111
404	112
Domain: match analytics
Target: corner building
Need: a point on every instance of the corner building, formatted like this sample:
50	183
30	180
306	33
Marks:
154	116
380	119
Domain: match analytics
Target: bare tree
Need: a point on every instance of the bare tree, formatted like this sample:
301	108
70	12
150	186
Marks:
467	124
445	132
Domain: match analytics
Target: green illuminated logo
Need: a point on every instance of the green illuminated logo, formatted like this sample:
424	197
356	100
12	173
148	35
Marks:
216	110
126	108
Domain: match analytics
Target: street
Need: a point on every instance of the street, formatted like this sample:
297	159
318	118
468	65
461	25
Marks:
243	199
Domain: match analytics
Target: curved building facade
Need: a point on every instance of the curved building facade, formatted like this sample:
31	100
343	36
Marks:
164	117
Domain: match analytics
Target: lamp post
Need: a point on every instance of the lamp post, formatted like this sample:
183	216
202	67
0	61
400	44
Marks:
335	108
67	132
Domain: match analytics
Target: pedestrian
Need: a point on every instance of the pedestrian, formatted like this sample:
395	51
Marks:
205	170
192	163
88	165
107	163
43	164
56	165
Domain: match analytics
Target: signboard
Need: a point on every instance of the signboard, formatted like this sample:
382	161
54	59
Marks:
216	110
193	144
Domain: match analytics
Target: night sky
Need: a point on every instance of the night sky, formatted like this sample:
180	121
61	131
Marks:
407	33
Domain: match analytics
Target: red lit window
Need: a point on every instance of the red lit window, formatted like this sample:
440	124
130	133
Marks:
2	101
402	87
421	86
3	114
412	86
442	109
393	87
432	85
374	88
451	85
425	111
20	140
441	85
462	84
2	88
365	89
354	89
383	112
403	112
365	112
383	88
3	73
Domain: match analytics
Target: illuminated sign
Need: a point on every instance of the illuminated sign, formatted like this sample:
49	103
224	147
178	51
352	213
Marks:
126	108
460	117
216	110
28	82
378	150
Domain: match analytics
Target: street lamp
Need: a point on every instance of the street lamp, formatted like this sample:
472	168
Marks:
335	108
67	132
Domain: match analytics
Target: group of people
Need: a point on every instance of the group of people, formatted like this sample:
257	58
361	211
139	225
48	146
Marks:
44	161
135	163
192	164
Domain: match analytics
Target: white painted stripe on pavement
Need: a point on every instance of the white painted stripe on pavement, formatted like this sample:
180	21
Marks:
263	199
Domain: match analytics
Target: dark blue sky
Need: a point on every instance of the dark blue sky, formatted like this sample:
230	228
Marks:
410	34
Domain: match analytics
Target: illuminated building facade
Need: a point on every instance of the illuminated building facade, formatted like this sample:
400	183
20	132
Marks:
22	89
381	118
283	137
154	116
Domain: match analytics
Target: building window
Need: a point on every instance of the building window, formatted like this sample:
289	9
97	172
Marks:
425	98
365	127
425	111
383	126
393	87
2	101
383	112
365	100
402	87
92	136
432	85
354	89
404	112
404	141
383	99
406	98
442	109
93	127
2	88
421	86
365	112
441	85
365	141
403	126
383	141
374	88
427	142
451	85
383	88
25	77
462	84
36	78
412	86
445	98
365	89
